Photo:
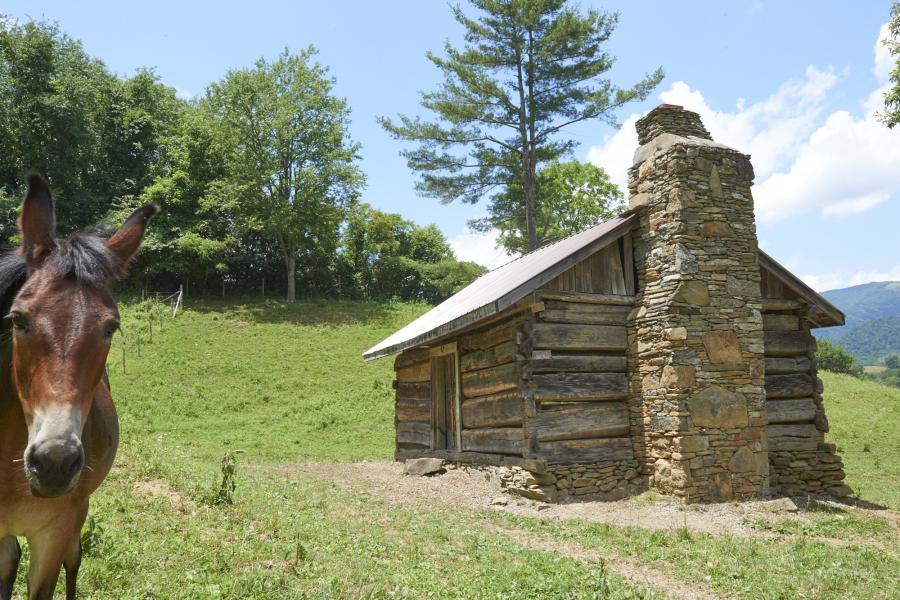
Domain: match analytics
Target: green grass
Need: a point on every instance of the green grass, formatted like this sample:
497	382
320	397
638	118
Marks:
841	526
286	384
280	383
864	417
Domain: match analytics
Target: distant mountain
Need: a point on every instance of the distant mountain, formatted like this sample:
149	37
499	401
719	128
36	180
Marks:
873	320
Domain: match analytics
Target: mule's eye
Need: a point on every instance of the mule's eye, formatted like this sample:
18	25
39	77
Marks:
111	328
19	321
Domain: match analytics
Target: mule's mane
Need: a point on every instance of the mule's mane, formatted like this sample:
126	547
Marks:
83	257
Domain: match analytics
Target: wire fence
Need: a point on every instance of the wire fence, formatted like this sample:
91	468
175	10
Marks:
156	309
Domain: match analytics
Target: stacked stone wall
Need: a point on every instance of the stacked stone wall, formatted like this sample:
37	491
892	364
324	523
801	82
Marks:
696	338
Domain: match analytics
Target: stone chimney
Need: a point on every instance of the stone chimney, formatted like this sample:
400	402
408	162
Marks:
696	341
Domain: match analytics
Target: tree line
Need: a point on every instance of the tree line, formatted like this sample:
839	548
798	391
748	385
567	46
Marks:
258	179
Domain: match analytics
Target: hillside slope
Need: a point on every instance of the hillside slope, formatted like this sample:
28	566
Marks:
872	330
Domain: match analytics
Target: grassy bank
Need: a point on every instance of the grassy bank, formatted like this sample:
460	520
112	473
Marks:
286	384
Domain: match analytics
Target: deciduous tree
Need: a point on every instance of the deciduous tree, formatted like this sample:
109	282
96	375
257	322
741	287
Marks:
571	196
291	166
891	115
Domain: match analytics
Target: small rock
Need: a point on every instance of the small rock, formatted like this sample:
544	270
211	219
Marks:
779	505
499	501
423	466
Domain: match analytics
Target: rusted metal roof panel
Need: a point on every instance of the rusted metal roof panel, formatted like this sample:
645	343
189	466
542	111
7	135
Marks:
504	286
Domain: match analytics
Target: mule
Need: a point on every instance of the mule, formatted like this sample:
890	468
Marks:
58	426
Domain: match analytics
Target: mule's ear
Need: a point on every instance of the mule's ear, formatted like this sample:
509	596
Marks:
37	221
125	242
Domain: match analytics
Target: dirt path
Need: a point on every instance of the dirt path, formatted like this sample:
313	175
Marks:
476	490
632	571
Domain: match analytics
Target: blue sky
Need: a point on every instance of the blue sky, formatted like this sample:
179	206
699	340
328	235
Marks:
793	83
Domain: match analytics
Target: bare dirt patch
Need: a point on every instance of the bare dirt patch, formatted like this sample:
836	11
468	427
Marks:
476	489
155	487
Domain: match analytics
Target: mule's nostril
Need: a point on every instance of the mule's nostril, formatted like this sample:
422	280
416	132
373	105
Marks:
34	461
76	464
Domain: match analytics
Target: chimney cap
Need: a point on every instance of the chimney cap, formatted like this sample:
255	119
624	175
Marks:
670	118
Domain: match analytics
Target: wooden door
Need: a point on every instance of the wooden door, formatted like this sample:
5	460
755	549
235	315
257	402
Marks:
444	399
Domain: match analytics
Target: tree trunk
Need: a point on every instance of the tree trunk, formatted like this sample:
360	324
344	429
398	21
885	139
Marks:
530	204
290	263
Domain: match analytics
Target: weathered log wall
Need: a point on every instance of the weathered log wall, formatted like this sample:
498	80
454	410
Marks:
491	406
413	407
492	410
575	385
800	461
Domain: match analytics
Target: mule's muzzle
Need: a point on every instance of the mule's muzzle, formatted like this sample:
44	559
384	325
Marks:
53	467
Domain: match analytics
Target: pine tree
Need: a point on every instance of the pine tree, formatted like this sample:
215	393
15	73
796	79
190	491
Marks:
527	70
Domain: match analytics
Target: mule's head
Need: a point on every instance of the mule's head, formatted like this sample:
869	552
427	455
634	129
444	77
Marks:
63	320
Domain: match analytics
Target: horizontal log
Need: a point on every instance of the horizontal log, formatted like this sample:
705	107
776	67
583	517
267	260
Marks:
407	358
490	357
419	372
797	385
500	440
781	304
497	334
788	364
413	434
781	322
585	451
490	381
793	437
580	386
608	419
589	314
786	343
586	297
500	410
794	410
580	363
413	410
564	336
414	390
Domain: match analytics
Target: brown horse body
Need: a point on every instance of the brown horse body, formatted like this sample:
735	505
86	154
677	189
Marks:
58	426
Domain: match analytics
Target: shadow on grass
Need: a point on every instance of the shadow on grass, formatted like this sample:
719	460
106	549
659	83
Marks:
309	311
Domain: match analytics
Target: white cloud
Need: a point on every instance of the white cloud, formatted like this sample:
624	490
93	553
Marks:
837	167
616	153
825	281
822	282
184	94
480	248
884	62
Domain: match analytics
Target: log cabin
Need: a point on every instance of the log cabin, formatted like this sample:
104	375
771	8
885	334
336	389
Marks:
659	349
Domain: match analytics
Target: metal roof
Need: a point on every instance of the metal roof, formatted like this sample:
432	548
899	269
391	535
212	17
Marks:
499	289
504	286
832	315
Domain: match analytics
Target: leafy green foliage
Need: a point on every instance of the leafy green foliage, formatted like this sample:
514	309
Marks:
386	257
527	70
835	359
292	170
257	180
571	196
891	115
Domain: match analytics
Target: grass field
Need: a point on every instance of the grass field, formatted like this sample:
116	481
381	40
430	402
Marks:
286	384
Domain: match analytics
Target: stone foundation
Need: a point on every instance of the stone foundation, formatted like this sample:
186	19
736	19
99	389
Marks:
818	471
578	482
